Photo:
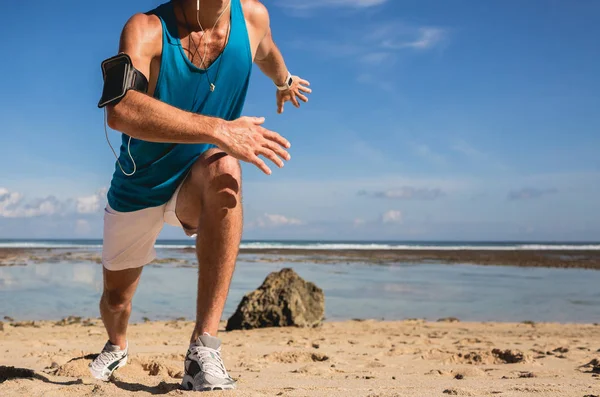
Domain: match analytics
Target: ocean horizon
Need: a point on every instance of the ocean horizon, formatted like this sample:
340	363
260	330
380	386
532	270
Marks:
326	244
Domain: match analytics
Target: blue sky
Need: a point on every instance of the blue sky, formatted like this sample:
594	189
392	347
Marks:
429	120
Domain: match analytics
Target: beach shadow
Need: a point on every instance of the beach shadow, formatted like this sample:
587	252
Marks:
162	388
8	373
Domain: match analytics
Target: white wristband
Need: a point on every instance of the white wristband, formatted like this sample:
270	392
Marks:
288	83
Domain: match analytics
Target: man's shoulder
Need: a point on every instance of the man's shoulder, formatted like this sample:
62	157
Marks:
148	23
143	31
256	13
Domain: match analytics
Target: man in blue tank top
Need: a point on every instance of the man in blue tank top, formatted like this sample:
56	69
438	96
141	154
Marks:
179	161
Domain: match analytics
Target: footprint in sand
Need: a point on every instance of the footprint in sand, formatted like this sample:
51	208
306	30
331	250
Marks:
156	368
75	368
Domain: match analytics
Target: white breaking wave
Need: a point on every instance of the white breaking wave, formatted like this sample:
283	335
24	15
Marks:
26	244
415	247
332	246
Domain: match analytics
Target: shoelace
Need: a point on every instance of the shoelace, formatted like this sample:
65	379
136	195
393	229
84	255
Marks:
210	361
104	359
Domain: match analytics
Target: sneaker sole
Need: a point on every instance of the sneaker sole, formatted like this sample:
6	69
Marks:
106	377
187	380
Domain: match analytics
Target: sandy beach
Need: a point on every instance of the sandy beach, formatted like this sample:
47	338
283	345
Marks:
353	357
358	358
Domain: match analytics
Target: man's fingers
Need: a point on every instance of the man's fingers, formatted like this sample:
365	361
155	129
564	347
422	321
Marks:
275	137
257	120
261	165
281	152
271	156
295	101
303	82
304	89
303	98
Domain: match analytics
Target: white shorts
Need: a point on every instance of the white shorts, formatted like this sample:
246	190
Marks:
129	237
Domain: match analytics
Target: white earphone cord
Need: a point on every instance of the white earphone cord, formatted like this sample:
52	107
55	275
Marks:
115	153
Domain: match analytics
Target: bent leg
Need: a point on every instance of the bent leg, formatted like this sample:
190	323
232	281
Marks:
211	201
115	304
129	239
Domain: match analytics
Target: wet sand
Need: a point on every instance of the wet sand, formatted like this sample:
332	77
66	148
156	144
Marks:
524	258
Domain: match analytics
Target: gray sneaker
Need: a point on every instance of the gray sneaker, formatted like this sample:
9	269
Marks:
108	361
204	368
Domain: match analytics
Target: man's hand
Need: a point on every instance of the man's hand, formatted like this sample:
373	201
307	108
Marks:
245	139
293	94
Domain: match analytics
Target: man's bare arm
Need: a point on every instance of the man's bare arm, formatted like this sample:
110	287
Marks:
270	61
144	117
268	57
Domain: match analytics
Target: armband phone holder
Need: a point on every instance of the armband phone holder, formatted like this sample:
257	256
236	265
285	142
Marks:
120	76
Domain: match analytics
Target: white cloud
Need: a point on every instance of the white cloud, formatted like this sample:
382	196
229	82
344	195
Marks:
392	216
8	202
92	204
311	4
14	205
406	193
275	220
426	37
379	47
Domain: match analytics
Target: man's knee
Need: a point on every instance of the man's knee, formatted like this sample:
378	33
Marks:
115	301
220	179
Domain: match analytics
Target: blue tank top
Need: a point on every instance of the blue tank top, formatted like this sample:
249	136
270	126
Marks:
161	167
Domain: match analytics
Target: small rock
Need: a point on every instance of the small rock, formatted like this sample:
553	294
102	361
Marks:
448	320
9	319
25	324
509	356
315	345
68	321
284	299
593	366
527	375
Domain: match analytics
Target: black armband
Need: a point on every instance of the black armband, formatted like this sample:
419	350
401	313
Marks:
119	77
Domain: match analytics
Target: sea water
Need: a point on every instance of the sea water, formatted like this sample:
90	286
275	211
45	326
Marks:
56	289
